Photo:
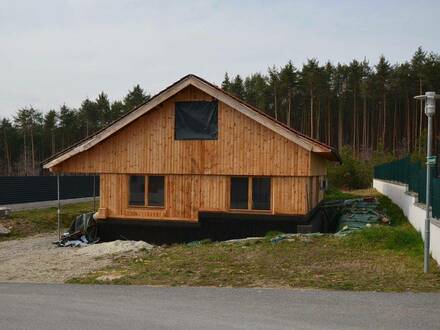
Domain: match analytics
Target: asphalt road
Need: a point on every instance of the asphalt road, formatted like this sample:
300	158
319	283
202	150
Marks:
59	306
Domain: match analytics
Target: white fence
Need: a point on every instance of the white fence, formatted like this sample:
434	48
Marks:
414	211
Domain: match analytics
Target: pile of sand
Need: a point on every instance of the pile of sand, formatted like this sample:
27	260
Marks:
115	247
36	259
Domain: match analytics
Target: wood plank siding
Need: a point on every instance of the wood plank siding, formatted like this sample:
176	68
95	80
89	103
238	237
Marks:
244	147
198	172
187	195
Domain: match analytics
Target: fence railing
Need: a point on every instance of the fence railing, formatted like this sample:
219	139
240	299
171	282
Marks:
414	175
25	189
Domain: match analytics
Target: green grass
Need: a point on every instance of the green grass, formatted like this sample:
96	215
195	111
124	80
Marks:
30	222
335	194
380	258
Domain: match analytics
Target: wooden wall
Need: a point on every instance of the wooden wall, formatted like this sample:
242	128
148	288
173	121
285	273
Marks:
186	195
198	172
244	147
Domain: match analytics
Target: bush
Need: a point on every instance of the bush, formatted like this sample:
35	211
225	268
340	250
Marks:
355	173
352	173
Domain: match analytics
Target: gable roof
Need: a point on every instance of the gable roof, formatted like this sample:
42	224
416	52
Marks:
248	110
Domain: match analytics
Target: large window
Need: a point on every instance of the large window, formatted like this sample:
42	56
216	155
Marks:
252	193
239	193
137	190
153	185
196	120
156	191
261	193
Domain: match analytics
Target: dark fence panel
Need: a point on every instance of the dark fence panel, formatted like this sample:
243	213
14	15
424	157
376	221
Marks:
414	175
25	189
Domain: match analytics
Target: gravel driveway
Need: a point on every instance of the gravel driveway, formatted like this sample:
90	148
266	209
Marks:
35	259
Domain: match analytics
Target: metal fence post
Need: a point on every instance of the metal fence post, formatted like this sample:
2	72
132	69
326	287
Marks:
59	207
94	193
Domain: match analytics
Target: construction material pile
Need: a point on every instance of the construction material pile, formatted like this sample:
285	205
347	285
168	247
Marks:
82	232
359	213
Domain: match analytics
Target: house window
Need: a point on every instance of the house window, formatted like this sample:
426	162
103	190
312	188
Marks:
156	191
196	120
147	190
261	193
252	193
239	193
137	190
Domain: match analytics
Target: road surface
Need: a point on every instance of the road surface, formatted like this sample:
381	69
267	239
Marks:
60	306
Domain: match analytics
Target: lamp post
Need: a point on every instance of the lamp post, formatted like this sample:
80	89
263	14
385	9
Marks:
429	98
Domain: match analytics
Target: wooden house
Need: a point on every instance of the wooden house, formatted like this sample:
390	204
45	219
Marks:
194	149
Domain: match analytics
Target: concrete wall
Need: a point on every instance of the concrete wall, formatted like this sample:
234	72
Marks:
415	212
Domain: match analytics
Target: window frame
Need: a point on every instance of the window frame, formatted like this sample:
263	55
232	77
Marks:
146	182
250	199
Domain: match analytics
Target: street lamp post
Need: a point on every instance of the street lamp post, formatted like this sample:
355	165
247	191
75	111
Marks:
429	98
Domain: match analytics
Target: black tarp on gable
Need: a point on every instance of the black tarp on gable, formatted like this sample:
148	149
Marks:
196	120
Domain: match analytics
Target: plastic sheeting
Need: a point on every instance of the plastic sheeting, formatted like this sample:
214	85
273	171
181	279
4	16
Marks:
358	214
196	120
82	231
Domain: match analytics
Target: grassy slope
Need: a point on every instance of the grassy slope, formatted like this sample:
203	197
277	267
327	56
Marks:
383	258
26	223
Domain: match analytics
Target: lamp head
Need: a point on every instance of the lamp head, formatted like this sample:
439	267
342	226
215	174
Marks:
430	104
430	98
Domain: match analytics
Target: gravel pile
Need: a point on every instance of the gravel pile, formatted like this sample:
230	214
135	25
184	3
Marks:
114	247
36	259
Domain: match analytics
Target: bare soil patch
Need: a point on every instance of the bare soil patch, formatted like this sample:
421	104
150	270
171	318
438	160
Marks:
36	259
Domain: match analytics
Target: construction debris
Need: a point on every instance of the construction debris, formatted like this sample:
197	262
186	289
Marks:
4	230
359	213
82	232
244	240
5	212
294	237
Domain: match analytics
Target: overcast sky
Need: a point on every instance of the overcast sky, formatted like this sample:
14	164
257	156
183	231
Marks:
55	52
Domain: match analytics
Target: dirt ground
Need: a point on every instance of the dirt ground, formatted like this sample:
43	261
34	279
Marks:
36	259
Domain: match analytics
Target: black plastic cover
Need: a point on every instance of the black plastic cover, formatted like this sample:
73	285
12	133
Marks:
196	120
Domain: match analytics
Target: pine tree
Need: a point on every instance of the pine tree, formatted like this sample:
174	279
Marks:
288	88
102	104
50	126
135	97
226	84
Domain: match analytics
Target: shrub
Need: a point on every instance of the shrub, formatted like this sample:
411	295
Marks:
355	173
352	173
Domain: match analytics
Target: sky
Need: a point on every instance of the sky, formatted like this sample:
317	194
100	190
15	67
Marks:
60	52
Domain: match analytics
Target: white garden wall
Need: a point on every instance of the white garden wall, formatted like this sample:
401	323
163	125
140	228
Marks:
415	212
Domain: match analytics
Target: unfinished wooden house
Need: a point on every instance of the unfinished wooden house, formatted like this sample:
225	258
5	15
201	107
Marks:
194	150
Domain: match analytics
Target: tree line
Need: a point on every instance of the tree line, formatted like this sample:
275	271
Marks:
365	107
32	136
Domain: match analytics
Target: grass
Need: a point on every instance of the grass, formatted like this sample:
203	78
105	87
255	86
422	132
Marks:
31	222
380	258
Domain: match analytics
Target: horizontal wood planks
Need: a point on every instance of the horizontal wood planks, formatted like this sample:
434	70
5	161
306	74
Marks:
147	145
